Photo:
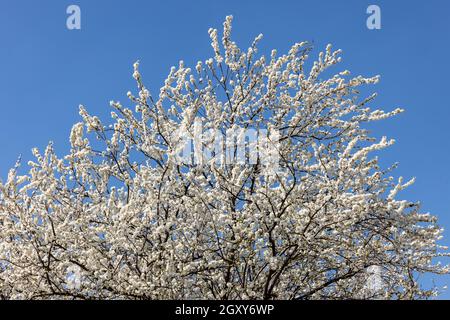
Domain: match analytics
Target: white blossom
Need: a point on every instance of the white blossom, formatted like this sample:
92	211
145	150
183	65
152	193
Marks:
117	217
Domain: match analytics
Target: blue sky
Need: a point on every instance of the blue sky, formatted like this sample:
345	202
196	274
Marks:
46	70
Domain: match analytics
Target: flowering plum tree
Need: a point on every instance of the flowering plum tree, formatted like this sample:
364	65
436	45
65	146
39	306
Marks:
122	216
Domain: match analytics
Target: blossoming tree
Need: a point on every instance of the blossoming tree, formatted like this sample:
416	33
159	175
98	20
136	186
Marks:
122	217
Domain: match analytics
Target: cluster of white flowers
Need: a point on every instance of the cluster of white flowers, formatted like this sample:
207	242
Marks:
136	225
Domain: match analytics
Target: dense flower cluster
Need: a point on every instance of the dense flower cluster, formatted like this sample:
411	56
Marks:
119	218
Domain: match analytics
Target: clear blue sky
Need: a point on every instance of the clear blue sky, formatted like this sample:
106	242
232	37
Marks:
46	70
